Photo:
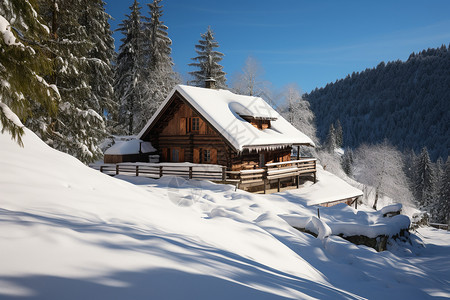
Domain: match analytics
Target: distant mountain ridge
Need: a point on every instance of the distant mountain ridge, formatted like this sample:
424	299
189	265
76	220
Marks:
407	103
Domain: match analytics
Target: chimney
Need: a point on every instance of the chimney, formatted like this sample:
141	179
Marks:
210	83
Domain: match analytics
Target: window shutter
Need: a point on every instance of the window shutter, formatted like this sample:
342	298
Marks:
164	154
214	156
202	127
182	125
196	156
181	159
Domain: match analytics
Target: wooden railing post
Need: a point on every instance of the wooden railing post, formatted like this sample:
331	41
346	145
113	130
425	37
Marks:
190	172
137	170
160	171
117	169
101	169
315	172
224	174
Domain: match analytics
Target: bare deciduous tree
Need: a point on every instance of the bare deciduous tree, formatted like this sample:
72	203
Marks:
250	80
381	167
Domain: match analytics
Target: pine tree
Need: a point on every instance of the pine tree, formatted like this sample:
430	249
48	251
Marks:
160	75
339	134
347	161
100	57
442	207
78	128
330	143
207	61
129	81
424	181
23	64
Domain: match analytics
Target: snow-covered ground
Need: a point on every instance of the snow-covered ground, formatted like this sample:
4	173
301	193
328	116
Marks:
70	232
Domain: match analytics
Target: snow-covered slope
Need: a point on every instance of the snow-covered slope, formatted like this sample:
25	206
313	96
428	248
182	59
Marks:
70	232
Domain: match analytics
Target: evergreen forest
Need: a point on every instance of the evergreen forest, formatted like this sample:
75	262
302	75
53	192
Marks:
406	103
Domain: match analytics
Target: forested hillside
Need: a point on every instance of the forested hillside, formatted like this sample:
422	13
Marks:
407	103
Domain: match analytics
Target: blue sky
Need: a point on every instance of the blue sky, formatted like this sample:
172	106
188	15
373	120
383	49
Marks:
309	43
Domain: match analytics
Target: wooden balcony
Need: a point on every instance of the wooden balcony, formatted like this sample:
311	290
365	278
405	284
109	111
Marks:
271	176
285	173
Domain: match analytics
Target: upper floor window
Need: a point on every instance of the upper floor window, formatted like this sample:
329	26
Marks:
195	124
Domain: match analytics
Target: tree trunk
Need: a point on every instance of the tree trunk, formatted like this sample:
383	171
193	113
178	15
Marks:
376	200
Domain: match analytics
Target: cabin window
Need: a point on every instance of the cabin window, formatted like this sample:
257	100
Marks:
260	124
206	155
195	124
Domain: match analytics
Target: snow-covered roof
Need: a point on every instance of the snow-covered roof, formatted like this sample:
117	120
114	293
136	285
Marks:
130	147
225	110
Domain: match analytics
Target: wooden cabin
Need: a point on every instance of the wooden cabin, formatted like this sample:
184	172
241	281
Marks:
211	126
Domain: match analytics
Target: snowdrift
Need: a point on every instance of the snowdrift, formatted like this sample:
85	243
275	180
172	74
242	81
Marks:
70	232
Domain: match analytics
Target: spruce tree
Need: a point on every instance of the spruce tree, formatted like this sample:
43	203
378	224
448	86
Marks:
347	161
100	57
78	128
330	143
129	81
339	134
424	180
23	64
207	61
159	73
442	207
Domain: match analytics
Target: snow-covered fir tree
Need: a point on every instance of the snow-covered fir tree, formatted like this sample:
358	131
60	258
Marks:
330	142
78	128
101	56
347	161
159	74
339	135
207	61
442	206
297	111
129	81
23	64
425	180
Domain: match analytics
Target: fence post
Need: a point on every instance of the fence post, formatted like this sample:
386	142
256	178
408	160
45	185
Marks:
160	171
298	180
190	172
101	169
117	169
224	174
137	170
264	180
279	184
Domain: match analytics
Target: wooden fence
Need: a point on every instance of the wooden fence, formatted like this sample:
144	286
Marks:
158	170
